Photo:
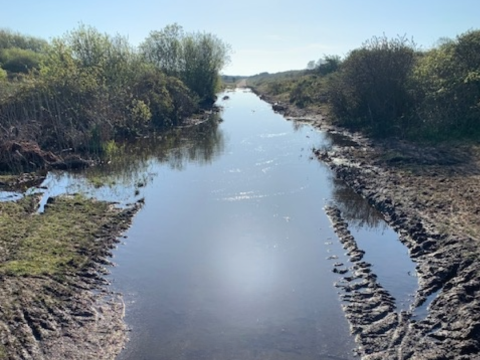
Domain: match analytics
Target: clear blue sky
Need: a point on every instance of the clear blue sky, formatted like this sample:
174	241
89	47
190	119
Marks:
265	35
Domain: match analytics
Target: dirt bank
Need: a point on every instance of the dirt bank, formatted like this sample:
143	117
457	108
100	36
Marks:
54	303
429	195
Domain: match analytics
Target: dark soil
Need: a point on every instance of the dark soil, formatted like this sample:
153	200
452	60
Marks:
27	156
21	182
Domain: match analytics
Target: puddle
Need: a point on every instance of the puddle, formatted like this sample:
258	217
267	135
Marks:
227	259
421	312
389	258
65	183
9	196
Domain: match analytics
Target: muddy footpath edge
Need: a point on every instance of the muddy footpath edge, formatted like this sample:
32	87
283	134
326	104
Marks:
71	314
418	191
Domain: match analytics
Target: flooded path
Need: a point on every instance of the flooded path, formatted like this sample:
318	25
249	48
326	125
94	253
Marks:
228	259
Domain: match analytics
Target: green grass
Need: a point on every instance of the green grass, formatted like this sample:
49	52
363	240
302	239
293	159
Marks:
99	181
3	352
60	240
7	179
43	257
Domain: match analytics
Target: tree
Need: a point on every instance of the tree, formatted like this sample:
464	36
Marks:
204	55
371	89
195	58
311	65
112	57
447	86
164	49
329	64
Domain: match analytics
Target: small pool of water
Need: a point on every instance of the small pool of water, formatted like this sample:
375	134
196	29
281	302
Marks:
421	312
383	250
9	196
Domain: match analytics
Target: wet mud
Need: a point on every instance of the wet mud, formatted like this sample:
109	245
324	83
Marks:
447	264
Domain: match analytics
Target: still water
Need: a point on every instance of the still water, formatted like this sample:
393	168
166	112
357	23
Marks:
227	260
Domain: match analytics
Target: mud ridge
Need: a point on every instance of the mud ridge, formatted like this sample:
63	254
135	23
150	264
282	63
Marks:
369	308
444	262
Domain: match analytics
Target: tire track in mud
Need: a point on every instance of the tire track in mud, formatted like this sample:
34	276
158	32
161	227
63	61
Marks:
370	309
451	329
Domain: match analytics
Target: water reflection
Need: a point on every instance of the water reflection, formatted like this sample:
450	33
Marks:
9	196
388	256
226	261
298	125
355	209
130	163
129	167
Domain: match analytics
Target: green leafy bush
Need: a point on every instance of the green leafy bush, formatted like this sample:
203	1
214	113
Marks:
91	88
10	39
309	90
446	83
194	58
370	91
18	60
329	64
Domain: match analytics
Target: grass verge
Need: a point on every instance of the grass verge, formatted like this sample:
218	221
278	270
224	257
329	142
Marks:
49	264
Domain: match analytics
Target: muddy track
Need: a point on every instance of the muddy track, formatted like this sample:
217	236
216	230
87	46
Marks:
67	315
429	196
447	263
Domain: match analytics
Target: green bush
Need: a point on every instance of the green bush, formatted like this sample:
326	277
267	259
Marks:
10	39
194	58
308	90
111	56
329	64
16	60
388	88
370	91
446	83
90	88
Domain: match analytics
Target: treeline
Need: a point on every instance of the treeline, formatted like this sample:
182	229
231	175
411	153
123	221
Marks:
388	87
86	88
